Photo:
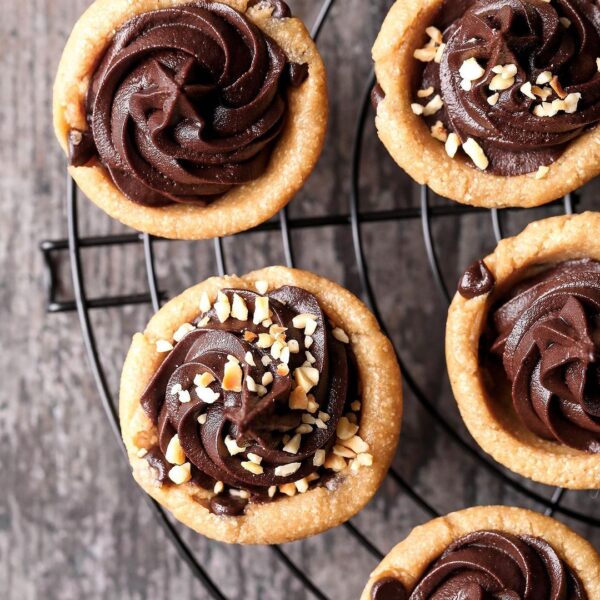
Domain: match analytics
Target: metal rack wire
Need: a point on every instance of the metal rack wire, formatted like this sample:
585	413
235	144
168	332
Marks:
353	219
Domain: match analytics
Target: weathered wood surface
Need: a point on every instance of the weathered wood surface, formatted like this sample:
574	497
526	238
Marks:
72	523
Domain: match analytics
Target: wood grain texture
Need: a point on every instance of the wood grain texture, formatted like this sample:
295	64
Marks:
72	522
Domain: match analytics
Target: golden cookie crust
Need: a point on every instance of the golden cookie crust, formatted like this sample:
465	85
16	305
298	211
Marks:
409	560
293	159
289	518
409	141
492	421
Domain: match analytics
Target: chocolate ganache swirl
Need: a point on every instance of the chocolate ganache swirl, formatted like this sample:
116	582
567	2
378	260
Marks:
493	565
547	332
251	405
187	102
549	89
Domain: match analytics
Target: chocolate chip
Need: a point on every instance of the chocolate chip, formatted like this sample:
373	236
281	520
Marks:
377	95
388	588
81	147
225	505
476	280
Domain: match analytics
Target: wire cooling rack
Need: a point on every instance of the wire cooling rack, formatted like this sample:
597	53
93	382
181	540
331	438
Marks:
353	219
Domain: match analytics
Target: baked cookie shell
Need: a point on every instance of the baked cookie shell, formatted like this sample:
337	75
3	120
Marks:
289	518
409	560
492	421
294	155
409	140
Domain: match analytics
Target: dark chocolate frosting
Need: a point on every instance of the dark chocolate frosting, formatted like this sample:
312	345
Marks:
476	280
547	332
493	565
561	37
188	101
258	419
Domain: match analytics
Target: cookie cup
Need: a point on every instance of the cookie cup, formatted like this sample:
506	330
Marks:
290	518
294	155
493	421
410	143
409	560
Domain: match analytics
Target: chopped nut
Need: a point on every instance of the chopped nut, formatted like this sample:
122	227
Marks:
320	424
425	93
319	458
426	54
222	307
452	144
207	395
475	152
289	489
335	462
219	487
438	131
232	377
300	321
262	286
471	70
261	390
286	470
527	91
312	404
312	477
163	346
293	445
141	453
249	336
306	418
433	106
364	459
345	430
294	346
355	405
566	23
180	473
544	77
239	309
304	429
284	357
306	377
277	348
302	485
252	467
416	108
542	93
266	360
249	359
542	172
434	33
277	331
203	379
310	358
355	443
232	446
298	399
272	491
351	417
239	494
205	304
183	330
201	419
308	341
264	340
555	85
439	53
282	370
267	378
571	101
311	327
324	416
499	82
261	310
339	450
267	323
204	322
340	335
184	396
250	383
493	99
598	64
